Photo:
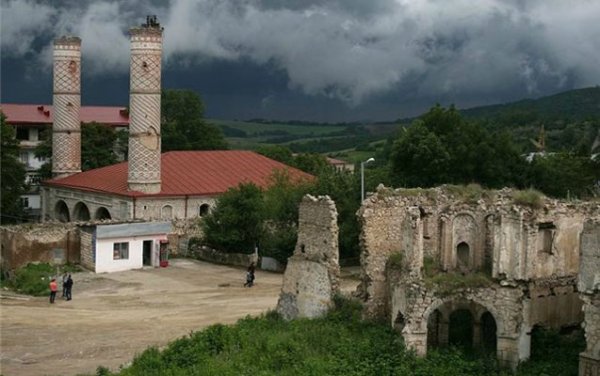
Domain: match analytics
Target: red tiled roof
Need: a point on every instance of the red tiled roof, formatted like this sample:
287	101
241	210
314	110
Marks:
42	114
193	173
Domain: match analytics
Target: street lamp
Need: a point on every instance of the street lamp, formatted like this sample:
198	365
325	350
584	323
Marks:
362	177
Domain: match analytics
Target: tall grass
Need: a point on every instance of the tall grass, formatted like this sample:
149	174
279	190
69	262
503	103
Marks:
338	344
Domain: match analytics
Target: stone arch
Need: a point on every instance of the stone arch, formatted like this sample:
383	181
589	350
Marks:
461	324
81	212
203	210
102	213
61	211
166	212
480	307
481	325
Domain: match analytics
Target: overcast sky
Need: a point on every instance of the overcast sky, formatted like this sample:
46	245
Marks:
330	60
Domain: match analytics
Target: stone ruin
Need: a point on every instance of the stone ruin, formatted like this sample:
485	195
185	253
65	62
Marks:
505	262
589	290
311	277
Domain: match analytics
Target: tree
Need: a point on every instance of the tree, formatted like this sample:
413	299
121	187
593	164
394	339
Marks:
237	221
12	175
419	158
312	163
564	175
277	152
98	145
183	126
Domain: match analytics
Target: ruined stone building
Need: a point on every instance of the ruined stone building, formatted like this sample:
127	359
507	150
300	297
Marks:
499	260
311	277
589	290
150	185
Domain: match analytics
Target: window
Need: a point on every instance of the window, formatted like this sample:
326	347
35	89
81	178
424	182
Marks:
24	157
121	251
22	134
25	202
203	210
546	233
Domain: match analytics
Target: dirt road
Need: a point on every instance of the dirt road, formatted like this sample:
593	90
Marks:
114	316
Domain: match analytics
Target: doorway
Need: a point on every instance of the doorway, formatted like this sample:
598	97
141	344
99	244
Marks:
147	255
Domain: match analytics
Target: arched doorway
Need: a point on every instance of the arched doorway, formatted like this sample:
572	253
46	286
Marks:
488	332
61	211
462	256
81	212
434	329
460	329
102	213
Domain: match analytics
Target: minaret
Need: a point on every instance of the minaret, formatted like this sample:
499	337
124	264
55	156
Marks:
66	99
144	107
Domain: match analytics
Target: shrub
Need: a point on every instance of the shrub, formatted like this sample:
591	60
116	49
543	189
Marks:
530	197
395	261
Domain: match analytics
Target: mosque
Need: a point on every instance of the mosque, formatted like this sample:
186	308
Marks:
150	185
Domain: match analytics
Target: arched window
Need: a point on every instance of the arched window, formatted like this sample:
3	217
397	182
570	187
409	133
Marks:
203	210
102	213
81	212
61	211
166	212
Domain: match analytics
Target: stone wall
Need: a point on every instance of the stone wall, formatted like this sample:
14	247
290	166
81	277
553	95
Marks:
88	248
311	278
219	257
589	288
49	242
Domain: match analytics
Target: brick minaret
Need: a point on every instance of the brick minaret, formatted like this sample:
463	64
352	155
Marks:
144	107
66	99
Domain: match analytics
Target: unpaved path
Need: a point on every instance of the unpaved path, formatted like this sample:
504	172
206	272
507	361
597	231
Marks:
114	316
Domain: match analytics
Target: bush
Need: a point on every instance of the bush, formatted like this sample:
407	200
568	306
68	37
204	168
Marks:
530	197
34	278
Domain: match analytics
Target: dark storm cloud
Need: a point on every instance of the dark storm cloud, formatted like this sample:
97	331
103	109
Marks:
355	51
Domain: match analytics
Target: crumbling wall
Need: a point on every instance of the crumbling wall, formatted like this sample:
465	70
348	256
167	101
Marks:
45	242
501	251
589	288
311	278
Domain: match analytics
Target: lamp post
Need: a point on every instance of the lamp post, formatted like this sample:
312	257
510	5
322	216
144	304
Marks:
362	177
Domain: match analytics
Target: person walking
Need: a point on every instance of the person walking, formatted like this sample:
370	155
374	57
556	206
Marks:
64	281
68	287
53	290
250	276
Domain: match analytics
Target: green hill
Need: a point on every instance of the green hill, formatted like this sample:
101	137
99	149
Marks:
571	121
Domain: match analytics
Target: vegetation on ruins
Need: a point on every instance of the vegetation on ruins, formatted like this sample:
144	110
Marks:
12	178
529	197
338	344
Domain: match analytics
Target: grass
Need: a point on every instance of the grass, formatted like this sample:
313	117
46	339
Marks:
338	344
529	197
33	279
470	193
447	283
395	260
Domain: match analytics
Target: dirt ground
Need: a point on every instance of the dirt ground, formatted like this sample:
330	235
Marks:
114	316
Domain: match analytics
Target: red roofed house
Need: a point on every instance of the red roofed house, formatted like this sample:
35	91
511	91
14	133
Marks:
29	120
190	183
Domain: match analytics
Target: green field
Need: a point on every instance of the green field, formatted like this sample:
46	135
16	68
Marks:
260	129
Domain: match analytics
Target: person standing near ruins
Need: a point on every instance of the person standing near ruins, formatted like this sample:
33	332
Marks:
68	287
65	277
53	290
250	276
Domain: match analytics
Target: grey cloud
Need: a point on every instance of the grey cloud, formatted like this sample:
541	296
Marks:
350	50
